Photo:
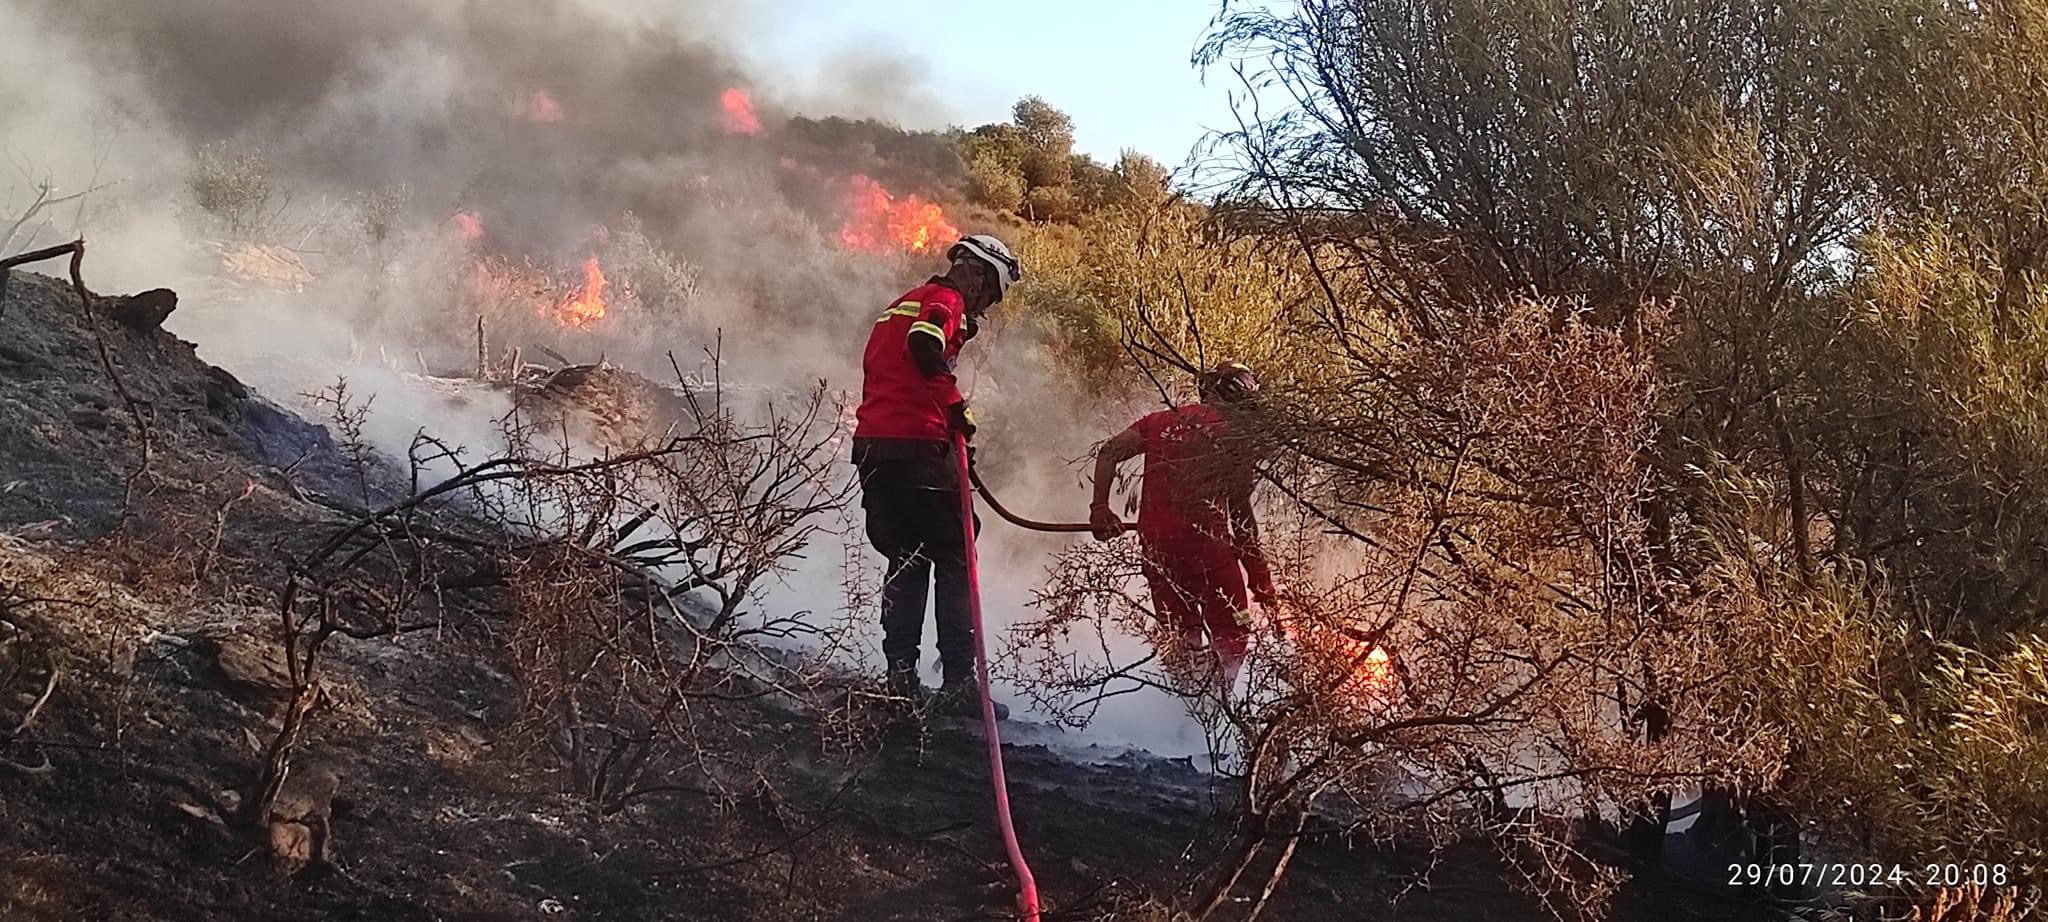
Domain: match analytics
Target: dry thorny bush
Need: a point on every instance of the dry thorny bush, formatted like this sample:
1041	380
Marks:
627	673
1538	669
598	565
1840	207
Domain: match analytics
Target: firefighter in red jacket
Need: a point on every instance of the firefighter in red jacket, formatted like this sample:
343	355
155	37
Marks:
1198	539
910	410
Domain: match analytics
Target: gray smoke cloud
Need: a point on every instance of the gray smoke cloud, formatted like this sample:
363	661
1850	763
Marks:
564	129
547	121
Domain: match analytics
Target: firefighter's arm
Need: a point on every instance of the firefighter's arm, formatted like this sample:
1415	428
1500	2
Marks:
928	350
1121	447
927	341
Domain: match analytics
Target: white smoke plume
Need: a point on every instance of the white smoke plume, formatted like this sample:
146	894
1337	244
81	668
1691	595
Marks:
363	144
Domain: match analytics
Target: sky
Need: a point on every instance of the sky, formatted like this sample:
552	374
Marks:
1119	67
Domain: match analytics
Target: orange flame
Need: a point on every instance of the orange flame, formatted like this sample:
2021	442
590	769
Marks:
543	107
469	225
585	307
1370	674
739	112
1354	668
877	222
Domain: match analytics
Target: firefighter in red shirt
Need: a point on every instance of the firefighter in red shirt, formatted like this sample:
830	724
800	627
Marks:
910	410
1196	533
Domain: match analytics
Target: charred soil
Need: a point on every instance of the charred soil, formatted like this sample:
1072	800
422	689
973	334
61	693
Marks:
140	679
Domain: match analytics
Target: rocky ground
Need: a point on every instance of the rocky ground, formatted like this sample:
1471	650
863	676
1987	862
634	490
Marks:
139	679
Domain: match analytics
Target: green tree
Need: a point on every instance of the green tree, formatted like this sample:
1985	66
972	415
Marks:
994	182
1048	136
1044	127
1052	203
1094	185
1002	141
1142	181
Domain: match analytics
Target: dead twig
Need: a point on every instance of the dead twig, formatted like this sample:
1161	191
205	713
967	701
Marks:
35	710
43	202
220	526
43	769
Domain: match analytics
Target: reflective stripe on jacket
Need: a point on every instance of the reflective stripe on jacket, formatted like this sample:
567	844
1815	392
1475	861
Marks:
898	400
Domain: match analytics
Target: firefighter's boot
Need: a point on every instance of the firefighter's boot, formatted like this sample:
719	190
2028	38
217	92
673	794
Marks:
904	689
963	699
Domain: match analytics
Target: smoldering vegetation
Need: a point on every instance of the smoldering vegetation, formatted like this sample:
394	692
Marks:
416	159
425	199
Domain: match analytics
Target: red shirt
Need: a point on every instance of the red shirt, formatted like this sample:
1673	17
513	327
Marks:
897	400
1190	473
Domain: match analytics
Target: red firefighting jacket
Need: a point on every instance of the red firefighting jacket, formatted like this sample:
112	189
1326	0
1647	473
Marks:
1192	469
1185	494
899	399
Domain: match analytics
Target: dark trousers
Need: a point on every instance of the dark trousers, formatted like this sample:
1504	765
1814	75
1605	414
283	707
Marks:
918	529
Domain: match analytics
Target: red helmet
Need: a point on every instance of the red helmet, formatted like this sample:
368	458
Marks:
1229	382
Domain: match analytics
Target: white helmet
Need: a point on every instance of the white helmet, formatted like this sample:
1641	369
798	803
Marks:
1007	270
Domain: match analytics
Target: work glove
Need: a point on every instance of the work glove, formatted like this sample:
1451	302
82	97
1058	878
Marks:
1103	522
1264	593
960	419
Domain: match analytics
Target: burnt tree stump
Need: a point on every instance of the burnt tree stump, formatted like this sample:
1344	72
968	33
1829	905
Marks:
145	311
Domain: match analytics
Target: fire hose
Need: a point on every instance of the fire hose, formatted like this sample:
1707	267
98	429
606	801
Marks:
1022	522
1027	886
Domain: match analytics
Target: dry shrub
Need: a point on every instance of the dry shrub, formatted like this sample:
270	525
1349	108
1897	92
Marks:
1479	506
631	606
232	189
592	560
598	673
1805	568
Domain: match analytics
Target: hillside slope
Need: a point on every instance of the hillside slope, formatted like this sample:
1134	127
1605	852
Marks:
138	660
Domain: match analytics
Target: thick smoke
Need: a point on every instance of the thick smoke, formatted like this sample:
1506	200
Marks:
549	121
561	129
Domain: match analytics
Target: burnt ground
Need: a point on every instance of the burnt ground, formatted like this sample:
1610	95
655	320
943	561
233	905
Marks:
119	800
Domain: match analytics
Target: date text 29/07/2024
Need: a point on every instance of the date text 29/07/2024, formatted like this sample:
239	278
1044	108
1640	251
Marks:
1840	874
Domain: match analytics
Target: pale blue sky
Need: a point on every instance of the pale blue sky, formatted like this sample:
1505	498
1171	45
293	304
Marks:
1119	67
